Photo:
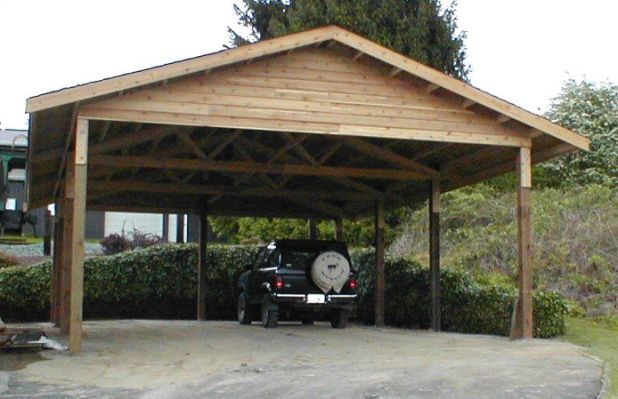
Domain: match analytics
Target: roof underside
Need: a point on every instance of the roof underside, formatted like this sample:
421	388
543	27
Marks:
323	131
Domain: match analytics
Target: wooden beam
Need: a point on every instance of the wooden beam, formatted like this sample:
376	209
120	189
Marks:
380	277
394	72
357	55
313	229
318	206
132	138
467	103
389	156
140	186
434	253
524	327
224	117
502	119
56	270
224	143
431	87
180	228
538	156
104	130
472	157
67	143
184	136
432	150
202	267
66	260
252	167
78	234
339	229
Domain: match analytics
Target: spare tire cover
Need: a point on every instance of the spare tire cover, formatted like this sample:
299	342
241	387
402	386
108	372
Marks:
330	270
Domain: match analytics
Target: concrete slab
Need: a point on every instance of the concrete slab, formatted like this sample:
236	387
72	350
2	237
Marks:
172	359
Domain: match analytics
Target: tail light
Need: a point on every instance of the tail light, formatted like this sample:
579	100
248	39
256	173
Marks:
279	283
353	284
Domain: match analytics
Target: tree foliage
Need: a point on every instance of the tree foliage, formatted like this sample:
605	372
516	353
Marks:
575	229
250	230
590	109
421	29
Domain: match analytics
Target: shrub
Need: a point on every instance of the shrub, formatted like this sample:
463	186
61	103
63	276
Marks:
7	260
161	281
117	243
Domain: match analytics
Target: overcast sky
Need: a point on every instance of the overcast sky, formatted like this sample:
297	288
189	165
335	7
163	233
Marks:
520	50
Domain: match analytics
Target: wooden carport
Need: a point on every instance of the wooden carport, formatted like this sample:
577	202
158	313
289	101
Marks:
319	124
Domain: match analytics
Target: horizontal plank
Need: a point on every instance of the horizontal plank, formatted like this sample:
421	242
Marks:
97	113
305	73
252	167
204	189
298	104
314	94
283	114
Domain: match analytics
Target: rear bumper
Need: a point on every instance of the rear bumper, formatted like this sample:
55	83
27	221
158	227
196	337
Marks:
301	299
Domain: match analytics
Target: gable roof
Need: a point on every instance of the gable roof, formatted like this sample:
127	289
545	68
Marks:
290	42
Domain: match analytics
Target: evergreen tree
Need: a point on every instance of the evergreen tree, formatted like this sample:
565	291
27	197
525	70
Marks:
420	29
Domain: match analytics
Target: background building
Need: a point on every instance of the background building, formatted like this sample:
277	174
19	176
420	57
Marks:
13	152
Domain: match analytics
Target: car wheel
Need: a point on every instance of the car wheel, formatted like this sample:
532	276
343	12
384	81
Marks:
243	308
270	313
339	318
308	319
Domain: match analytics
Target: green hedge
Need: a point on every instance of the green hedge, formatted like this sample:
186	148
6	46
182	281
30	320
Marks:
160	282
467	306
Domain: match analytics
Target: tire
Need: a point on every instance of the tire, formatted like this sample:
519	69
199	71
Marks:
243	309
308	319
339	318
270	313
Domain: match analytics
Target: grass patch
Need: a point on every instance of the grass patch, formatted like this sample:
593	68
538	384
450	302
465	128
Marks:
22	239
600	337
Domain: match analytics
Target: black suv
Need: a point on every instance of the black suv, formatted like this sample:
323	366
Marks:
298	279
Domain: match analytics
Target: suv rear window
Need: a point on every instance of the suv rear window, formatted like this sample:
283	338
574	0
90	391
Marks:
300	256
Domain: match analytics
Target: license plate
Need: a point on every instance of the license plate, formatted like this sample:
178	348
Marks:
315	298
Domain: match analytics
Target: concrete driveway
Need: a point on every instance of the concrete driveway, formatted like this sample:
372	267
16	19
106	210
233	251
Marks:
186	359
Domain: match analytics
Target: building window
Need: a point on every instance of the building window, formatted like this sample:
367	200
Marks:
10	204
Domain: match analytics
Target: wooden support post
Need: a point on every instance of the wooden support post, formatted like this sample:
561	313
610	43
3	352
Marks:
47	233
434	253
380	279
201	273
55	268
339	229
165	228
66	251
77	236
523	322
180	228
313	229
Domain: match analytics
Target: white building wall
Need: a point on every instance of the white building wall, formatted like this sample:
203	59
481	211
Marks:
151	223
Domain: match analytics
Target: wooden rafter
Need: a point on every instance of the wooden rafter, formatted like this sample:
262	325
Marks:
67	144
389	156
140	186
132	138
252	167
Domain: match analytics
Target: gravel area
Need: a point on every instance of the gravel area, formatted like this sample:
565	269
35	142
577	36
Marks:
188	359
37	249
